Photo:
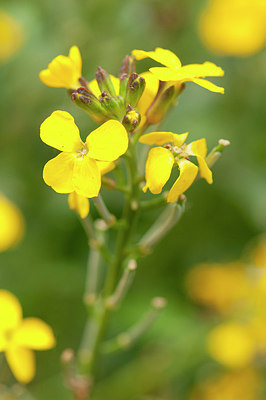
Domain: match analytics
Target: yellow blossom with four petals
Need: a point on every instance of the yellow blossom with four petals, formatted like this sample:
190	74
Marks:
18	337
63	71
75	168
174	71
161	160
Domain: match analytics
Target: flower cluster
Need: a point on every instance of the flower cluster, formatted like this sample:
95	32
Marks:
125	106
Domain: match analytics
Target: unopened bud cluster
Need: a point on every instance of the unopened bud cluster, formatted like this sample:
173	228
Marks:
113	103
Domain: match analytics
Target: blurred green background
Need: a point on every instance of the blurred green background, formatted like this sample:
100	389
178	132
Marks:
47	270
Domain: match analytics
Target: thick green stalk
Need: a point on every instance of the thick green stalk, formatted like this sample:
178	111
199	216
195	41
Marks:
129	215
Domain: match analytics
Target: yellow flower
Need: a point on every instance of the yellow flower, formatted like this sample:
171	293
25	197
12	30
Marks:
233	27
232	345
80	203
11	36
11	224
76	169
18	337
161	160
63	71
173	70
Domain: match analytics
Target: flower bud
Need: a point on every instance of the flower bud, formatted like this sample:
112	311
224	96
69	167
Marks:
128	66
131	120
86	100
104	82
111	105
123	86
135	88
163	100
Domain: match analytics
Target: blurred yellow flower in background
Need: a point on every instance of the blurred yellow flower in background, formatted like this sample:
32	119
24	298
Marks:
174	71
218	286
259	254
233	27
12	224
238	291
232	345
63	71
12	36
236	385
18	337
161	160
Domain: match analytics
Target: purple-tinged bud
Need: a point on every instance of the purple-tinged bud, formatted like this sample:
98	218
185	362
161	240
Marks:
163	100
128	66
131	120
104	82
111	105
86	100
135	88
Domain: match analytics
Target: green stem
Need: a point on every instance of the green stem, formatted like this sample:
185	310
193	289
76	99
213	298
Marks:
166	221
216	152
123	285
129	215
154	202
103	210
126	339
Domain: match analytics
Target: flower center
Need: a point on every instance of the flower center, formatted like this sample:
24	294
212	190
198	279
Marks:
82	151
178	152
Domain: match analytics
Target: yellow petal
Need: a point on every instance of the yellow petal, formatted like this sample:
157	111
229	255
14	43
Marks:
150	91
64	71
10	311
3	341
22	363
205	171
34	334
208	85
163	138
188	172
60	131
197	148
79	203
192	71
12	225
108	142
93	85
163	56
164	74
58	173
231	345
158	169
86	177
105	167
49	79
74	55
